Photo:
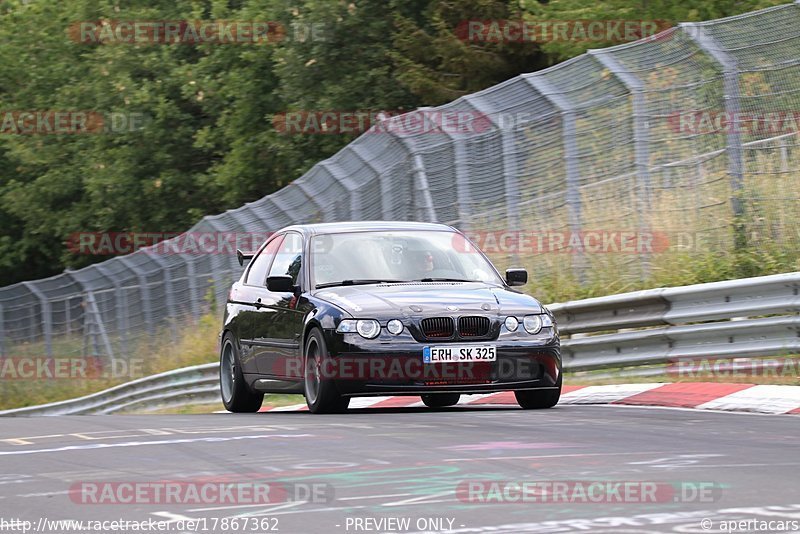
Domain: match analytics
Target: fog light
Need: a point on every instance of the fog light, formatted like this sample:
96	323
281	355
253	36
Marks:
511	324
395	326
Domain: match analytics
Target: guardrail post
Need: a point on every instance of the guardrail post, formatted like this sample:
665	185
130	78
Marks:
573	197
730	73
641	139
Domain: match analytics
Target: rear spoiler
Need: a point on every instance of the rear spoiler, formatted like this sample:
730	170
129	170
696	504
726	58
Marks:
242	256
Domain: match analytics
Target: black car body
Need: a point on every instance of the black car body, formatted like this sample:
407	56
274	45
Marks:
292	325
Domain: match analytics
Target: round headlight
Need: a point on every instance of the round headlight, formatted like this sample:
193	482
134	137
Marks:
511	324
368	328
532	323
395	326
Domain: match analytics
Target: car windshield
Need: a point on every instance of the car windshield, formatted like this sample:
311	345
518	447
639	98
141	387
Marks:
397	256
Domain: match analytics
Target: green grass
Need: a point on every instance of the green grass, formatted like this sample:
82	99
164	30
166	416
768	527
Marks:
196	344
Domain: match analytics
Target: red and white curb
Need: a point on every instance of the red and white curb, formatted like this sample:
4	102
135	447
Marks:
699	395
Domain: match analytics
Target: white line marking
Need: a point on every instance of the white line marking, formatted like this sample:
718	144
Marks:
238	506
171	517
484	458
146	443
364	497
416	500
270	511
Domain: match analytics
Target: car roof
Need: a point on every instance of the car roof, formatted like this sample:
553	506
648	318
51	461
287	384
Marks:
361	226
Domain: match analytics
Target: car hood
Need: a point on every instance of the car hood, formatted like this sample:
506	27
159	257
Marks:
427	299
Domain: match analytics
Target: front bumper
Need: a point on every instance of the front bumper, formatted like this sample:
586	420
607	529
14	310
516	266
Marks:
361	367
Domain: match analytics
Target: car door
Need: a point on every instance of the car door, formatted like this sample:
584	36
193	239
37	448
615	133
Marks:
278	326
254	299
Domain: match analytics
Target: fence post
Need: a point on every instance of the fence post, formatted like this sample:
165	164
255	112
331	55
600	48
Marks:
47	326
573	197
421	186
191	274
730	73
347	183
2	332
641	139
169	295
510	172
144	291
95	319
383	178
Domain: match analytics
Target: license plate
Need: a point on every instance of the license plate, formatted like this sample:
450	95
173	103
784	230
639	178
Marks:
459	353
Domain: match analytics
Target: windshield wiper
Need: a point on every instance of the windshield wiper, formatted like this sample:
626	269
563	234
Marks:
358	282
443	280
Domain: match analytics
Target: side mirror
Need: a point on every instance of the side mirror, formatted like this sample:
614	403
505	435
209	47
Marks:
280	284
243	256
516	277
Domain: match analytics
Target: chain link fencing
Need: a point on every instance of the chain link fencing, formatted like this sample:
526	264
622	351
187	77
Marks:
684	138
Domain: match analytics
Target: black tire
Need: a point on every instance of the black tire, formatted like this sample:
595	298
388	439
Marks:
320	392
236	394
441	400
538	399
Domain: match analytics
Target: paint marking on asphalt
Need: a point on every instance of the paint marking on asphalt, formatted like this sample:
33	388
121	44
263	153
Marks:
422	499
171	517
484	458
240	506
364	497
149	443
44	494
761	398
26	441
272	510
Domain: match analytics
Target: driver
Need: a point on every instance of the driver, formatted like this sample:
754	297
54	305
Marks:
423	261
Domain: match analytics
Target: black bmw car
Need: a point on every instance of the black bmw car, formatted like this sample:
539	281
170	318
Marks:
342	310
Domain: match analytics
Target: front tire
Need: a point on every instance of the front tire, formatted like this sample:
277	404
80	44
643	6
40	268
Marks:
539	399
441	400
320	392
236	394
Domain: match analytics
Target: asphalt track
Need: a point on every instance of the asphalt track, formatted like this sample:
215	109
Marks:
406	464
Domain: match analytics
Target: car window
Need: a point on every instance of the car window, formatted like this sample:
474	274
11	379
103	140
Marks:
289	258
397	256
258	270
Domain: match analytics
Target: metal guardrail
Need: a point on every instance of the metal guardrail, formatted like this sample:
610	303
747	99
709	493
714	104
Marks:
734	319
737	318
197	381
